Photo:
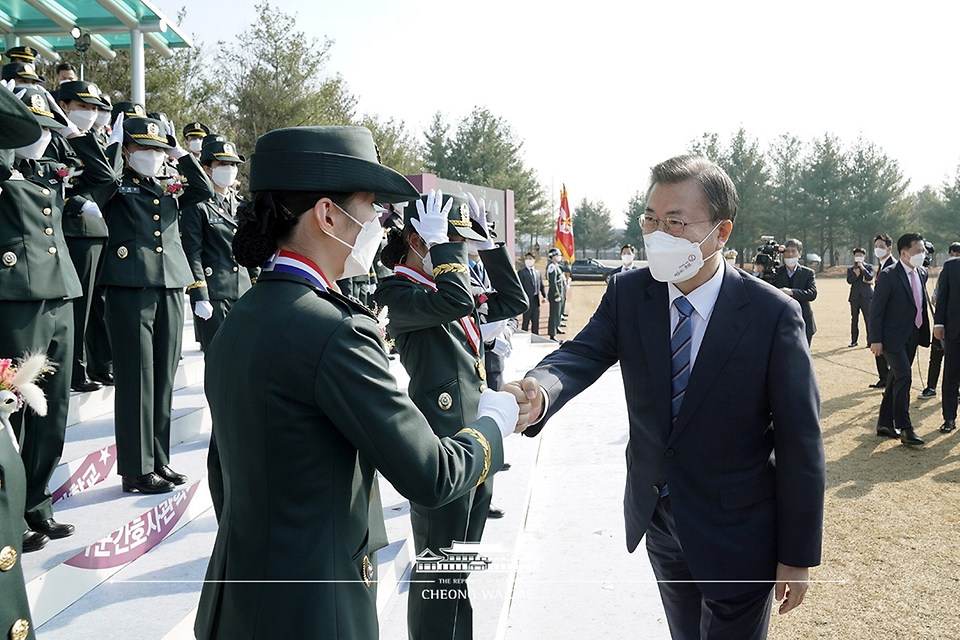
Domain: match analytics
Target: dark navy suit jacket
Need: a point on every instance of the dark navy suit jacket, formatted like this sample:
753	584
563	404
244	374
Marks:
893	313
744	458
804	291
948	299
860	285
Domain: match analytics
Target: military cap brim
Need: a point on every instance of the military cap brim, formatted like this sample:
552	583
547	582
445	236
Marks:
37	103
196	129
147	132
129	110
325	159
81	90
460	223
18	126
16	70
219	148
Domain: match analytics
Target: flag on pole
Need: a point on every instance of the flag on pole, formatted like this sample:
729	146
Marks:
564	237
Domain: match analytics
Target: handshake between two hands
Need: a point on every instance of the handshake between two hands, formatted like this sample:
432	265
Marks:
515	407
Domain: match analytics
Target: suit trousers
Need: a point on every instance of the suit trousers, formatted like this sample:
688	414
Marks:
45	326
936	363
859	307
690	615
146	332
531	318
85	255
895	406
206	329
950	391
435	610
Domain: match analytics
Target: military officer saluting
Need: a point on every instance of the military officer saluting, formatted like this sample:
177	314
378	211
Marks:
144	271
37	281
194	133
208	230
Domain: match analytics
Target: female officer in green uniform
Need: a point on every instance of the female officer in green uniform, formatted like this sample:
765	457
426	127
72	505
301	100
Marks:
435	320
305	408
144	271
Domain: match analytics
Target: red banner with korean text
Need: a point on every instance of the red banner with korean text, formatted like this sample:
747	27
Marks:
564	237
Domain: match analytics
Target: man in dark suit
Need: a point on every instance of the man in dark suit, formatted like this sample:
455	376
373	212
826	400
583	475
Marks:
899	322
798	282
532	283
725	471
883	250
946	329
860	279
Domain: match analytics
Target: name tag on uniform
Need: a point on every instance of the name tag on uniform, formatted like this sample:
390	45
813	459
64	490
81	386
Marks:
216	220
128	190
53	180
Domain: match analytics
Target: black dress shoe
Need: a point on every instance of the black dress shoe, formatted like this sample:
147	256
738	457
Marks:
86	386
495	513
102	378
928	393
505	467
948	426
149	483
33	541
52	529
909	436
887	432
169	474
561	331
852	344
879	384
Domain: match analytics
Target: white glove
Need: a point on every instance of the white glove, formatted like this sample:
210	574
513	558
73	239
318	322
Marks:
9	84
116	134
478	213
432	225
502	407
177	152
91	209
204	311
69	130
371	288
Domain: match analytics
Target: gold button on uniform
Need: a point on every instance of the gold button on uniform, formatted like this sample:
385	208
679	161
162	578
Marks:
45	191
367	571
444	401
483	387
159	249
208	271
235	269
52	250
8	558
47	211
20	629
156	217
48	231
122	252
136	181
9	259
156	233
155	201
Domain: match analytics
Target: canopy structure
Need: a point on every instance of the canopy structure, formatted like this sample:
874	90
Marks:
50	26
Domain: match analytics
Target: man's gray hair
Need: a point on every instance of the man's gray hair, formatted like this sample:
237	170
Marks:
717	187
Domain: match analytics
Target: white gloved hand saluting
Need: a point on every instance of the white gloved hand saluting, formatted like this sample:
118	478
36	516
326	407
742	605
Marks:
177	151
478	213
432	225
116	134
69	130
204	309
502	407
92	209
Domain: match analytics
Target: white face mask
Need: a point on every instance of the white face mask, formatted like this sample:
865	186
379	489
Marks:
880	253
673	259
916	260
35	151
146	163
791	262
224	176
83	119
427	262
103	118
364	248
858	259
627	259
195	144
529	263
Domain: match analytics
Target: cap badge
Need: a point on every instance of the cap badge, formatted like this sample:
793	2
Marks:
228	149
138	109
37	101
153	130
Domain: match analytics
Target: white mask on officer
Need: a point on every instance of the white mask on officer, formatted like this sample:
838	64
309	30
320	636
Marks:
427	262
146	163
916	260
224	175
195	144
35	151
880	252
83	119
674	259
103	118
364	248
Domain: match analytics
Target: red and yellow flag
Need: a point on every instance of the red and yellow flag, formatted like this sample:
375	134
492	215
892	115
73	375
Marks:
564	237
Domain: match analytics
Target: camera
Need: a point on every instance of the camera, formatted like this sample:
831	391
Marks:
768	257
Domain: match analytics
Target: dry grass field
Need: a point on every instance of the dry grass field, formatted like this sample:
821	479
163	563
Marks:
891	556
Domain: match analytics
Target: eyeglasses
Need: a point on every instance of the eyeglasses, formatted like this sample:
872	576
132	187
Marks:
673	226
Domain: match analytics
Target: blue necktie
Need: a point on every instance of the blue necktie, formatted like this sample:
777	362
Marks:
680	353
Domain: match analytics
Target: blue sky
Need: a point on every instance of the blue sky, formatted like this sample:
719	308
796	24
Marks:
602	90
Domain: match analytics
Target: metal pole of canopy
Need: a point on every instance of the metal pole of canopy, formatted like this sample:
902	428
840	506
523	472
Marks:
138	88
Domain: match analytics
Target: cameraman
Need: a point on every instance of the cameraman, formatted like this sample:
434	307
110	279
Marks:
799	282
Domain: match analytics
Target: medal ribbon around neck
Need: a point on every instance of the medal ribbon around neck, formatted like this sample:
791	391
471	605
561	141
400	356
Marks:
290	262
469	326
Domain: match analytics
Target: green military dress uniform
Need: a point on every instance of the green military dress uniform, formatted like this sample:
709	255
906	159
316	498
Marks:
15	620
37	282
447	377
555	282
290	378
145	270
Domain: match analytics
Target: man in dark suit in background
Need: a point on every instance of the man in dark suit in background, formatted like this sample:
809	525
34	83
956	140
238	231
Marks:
798	282
946	329
727	503
860	279
532	283
883	250
899	322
